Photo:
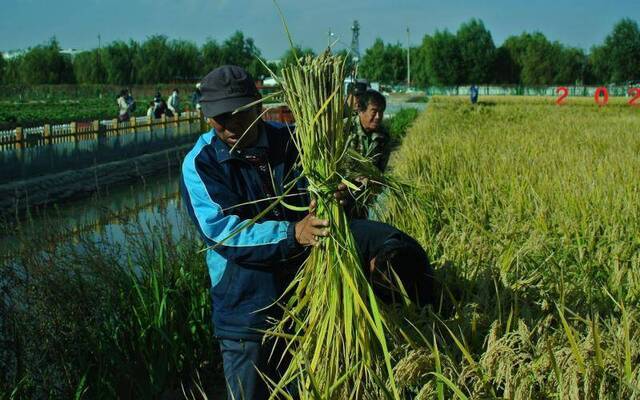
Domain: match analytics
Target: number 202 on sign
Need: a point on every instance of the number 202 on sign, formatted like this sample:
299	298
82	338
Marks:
601	96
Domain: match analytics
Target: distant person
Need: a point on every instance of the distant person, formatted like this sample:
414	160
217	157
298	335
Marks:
473	94
131	103
161	109
195	98
354	90
159	106
123	107
151	110
367	135
173	103
157	99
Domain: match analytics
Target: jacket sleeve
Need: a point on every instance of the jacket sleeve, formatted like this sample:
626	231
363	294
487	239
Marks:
206	196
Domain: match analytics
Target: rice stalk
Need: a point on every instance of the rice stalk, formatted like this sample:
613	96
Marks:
337	332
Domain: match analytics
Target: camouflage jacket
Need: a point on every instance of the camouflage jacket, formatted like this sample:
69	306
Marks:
374	145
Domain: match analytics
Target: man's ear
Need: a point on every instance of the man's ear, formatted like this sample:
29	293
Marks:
211	122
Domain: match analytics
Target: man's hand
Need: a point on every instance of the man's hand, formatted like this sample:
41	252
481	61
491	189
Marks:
311	229
344	196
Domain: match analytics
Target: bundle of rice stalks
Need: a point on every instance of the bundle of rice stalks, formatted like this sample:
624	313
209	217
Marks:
335	331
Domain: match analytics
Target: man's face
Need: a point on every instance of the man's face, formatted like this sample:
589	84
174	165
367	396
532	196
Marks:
371	118
230	128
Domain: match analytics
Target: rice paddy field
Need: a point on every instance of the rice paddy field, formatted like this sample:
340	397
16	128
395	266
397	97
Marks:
530	213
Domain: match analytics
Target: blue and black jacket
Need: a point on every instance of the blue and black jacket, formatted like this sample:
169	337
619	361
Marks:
250	269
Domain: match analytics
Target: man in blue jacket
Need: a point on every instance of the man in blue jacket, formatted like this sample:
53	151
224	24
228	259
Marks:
230	178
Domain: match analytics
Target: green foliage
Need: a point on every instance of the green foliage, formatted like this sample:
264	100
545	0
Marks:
12	71
384	63
442	58
477	51
118	58
506	70
152	61
470	56
3	65
85	318
211	56
45	64
238	50
59	112
616	61
572	67
531	59
89	67
540	60
400	123
185	61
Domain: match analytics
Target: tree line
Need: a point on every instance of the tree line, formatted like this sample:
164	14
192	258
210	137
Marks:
444	59
156	60
470	56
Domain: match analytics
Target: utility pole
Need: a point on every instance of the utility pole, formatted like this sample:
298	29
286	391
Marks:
355	42
408	59
99	42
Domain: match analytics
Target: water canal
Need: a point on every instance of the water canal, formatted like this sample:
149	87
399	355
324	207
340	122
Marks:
112	212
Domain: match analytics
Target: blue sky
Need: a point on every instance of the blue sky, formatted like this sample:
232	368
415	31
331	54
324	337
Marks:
77	23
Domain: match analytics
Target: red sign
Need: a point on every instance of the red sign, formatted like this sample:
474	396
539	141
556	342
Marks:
601	96
564	95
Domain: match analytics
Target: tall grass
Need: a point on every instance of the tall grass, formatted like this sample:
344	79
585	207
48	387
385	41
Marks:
531	213
89	319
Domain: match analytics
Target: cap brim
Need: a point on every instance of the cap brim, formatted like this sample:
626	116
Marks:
212	109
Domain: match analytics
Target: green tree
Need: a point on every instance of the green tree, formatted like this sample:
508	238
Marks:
89	67
531	59
45	64
384	63
441	55
238	50
3	64
211	56
571	67
616	61
512	57
185	60
372	63
152	61
419	70
396	58
118	58
12	71
540	61
505	69
477	52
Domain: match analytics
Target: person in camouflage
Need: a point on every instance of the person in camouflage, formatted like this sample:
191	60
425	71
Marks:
366	133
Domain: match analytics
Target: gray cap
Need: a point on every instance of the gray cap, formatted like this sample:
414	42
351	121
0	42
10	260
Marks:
226	89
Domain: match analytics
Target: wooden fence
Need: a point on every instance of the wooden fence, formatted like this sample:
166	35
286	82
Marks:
19	137
91	130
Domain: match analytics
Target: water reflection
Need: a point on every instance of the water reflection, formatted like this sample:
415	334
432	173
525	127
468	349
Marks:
17	164
109	219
